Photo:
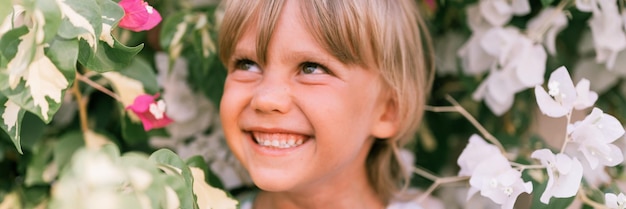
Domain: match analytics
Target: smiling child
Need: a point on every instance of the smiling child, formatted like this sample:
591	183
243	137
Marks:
320	95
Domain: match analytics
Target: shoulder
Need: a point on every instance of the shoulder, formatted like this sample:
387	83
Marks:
404	205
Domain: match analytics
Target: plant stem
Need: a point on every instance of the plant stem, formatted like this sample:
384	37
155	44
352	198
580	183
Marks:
566	140
424	173
82	105
458	108
439	181
523	167
583	197
98	86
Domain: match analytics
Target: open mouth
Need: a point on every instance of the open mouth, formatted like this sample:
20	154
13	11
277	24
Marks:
279	140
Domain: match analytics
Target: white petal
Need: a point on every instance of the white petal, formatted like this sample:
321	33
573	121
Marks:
474	58
520	7
496	12
585	5
547	105
610	200
585	98
601	79
531	65
568	183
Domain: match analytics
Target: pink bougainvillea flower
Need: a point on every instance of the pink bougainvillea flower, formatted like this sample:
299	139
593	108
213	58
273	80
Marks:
151	112
138	15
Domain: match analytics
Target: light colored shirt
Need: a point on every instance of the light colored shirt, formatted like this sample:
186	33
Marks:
246	203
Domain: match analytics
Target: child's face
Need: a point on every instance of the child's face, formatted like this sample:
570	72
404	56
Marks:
304	119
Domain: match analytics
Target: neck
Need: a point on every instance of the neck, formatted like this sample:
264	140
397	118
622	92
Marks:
348	195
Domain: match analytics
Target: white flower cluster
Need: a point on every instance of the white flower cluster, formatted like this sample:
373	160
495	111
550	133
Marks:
588	148
516	59
193	115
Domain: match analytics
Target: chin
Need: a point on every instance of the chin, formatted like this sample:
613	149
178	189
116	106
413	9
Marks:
273	180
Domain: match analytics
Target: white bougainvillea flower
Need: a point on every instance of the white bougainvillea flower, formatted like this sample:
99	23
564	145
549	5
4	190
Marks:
520	65
558	22
564	174
609	38
562	96
593	136
613	201
586	5
500	12
496	179
476	151
474	58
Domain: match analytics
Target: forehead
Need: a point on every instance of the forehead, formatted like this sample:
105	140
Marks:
289	32
319	18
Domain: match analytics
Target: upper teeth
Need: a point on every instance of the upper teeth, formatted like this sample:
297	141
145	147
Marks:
278	140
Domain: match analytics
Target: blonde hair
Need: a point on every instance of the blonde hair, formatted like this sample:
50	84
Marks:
390	31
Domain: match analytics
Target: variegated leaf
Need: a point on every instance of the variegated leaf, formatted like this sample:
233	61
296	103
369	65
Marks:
81	20
11	120
111	15
40	87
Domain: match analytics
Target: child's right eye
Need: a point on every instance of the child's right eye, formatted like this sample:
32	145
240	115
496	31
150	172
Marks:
247	65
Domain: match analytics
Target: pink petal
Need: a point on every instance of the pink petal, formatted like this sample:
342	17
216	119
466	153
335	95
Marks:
139	16
141	103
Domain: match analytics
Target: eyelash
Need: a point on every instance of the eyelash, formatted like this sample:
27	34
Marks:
245	64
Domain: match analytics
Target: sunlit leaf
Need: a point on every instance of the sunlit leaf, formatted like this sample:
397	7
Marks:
5	10
168	158
208	196
12	116
52	16
210	177
82	19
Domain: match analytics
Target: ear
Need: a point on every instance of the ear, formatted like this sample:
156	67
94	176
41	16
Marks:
387	122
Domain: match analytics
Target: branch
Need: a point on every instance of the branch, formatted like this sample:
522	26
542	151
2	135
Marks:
97	86
583	197
458	108
82	105
438	182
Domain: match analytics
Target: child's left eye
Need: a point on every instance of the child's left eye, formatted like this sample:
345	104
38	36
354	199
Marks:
313	68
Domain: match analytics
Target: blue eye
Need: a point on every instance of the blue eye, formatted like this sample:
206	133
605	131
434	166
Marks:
247	65
313	68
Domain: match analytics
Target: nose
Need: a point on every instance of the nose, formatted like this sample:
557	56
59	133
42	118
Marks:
272	96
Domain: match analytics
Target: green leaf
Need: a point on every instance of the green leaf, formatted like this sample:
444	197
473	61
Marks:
83	20
173	28
52	17
140	70
9	42
132	133
210	177
39	164
11	117
107	58
65	148
546	3
168	158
